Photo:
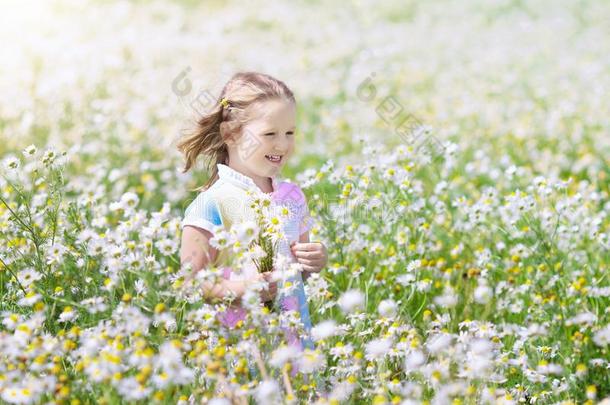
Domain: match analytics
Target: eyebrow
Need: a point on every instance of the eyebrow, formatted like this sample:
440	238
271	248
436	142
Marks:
273	130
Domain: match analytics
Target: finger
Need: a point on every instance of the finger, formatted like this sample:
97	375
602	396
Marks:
307	247
313	269
307	262
306	254
316	261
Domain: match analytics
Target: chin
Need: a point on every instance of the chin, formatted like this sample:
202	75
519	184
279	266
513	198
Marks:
274	170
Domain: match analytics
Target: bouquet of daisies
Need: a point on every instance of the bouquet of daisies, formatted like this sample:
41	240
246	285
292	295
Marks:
254	243
264	244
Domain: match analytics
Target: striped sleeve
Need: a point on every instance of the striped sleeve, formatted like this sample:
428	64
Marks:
203	213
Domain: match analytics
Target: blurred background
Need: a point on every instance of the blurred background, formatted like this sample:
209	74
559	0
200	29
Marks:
115	82
501	245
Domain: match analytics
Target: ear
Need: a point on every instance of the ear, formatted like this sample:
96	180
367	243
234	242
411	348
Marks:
229	139
227	135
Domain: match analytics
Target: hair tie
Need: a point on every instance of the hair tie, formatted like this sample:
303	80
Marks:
224	102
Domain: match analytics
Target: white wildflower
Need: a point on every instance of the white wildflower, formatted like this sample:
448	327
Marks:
378	348
438	343
351	301
602	336
414	360
29	151
129	201
282	355
387	308
324	330
268	392
68	315
311	360
483	293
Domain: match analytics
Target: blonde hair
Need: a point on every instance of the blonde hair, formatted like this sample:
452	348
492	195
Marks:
209	135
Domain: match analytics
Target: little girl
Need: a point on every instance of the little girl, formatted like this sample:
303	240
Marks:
248	138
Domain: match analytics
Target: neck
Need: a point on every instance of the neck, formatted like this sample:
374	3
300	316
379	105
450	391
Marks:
263	183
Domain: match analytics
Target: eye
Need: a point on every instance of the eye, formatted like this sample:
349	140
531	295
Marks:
269	134
290	133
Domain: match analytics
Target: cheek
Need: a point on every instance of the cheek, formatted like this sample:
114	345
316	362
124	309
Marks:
249	148
263	147
257	145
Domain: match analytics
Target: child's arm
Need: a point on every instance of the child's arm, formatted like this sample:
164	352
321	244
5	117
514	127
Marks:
312	255
194	249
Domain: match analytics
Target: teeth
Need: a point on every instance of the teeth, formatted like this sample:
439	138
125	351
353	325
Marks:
274	158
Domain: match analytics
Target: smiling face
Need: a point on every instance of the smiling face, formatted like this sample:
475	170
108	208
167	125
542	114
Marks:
266	141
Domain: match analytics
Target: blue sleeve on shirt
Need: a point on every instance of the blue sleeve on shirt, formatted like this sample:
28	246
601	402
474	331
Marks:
202	212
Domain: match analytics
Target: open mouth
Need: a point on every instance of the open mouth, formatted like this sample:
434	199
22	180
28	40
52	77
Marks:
274	158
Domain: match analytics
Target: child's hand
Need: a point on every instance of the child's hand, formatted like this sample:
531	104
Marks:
312	255
269	293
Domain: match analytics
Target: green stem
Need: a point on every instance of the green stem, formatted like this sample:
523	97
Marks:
6	266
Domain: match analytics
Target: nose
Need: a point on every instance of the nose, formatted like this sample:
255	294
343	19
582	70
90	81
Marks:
282	145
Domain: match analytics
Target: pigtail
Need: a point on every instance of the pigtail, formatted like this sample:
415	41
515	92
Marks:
205	139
